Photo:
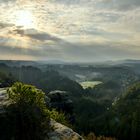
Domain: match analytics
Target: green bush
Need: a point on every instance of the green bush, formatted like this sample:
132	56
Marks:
27	112
59	117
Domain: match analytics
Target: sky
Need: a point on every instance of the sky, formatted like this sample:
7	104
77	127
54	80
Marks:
70	30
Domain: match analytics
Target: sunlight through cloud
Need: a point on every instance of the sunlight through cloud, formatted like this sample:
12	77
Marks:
25	19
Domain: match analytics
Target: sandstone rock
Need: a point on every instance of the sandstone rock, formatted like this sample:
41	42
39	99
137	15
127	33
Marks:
61	132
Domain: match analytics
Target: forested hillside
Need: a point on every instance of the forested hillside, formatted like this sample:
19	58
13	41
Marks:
109	108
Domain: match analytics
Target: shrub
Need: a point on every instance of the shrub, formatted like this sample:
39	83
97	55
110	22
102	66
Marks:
28	112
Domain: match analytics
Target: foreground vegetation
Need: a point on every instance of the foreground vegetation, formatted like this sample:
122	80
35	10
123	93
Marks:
26	116
92	136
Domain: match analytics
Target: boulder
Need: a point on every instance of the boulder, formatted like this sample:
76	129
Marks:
61	132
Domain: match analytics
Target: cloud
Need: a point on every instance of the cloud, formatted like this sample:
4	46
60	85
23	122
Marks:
105	4
79	30
81	52
34	34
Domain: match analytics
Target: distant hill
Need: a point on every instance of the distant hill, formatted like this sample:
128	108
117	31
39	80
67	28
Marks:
18	63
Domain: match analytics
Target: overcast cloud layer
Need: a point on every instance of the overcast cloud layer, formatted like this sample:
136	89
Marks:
71	30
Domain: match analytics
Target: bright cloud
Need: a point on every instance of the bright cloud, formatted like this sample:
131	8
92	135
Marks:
65	29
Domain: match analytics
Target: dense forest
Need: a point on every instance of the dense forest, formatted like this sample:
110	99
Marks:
108	109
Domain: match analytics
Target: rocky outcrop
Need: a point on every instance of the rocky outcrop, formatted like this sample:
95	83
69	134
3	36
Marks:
3	99
61	132
58	132
60	100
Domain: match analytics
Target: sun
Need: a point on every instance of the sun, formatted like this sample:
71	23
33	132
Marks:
25	19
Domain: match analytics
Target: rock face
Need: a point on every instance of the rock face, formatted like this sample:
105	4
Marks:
61	132
3	99
60	101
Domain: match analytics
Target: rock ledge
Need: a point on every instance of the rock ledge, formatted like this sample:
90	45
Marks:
61	132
